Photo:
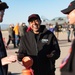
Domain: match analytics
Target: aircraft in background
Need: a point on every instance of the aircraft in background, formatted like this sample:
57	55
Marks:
59	20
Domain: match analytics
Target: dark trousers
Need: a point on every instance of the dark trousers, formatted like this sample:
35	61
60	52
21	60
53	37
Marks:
17	39
69	32
5	69
11	39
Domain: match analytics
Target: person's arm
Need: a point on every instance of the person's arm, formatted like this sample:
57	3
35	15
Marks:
1	70
22	49
55	54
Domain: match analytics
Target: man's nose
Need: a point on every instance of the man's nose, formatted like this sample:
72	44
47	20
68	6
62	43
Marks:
34	22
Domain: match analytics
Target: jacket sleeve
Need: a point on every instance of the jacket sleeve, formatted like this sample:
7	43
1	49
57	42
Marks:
1	71
21	51
56	48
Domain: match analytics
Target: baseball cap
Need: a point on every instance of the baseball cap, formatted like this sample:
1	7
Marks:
69	8
33	16
3	5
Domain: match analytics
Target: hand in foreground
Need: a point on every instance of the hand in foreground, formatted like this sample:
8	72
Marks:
51	54
9	59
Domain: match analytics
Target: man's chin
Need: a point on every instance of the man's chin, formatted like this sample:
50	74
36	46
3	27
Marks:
1	20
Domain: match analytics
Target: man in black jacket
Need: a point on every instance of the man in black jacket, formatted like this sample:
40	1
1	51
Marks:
41	45
3	53
4	60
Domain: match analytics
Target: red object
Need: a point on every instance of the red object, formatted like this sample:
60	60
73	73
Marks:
27	72
27	62
65	60
28	29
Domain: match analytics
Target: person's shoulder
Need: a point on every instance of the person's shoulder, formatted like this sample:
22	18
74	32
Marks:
28	32
43	26
48	32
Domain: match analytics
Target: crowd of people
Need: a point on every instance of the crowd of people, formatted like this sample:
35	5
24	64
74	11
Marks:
15	33
37	42
66	27
18	30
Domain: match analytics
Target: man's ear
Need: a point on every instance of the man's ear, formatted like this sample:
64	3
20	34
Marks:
40	21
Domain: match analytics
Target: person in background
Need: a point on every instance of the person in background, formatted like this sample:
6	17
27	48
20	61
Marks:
22	29
57	30
41	45
73	30
69	67
17	36
11	35
4	59
69	33
51	28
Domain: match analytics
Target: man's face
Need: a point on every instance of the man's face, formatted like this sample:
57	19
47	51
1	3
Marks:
71	17
1	15
35	25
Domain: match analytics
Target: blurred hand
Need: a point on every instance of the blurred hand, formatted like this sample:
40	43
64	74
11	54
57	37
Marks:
51	54
9	59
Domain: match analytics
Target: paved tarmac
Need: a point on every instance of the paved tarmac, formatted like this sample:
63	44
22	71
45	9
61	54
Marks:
16	68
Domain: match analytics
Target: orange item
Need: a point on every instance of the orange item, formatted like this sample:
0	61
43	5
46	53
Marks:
27	62
26	72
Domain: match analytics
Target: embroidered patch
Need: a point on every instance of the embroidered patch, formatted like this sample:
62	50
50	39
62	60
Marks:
44	40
